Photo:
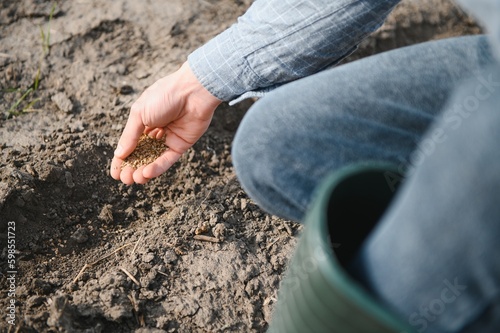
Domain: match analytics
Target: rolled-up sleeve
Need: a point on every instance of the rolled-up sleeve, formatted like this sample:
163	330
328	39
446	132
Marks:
278	41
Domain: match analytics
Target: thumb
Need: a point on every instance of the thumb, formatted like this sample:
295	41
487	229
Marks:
130	135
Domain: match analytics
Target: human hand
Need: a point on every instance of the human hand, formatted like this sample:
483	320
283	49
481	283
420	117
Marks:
177	106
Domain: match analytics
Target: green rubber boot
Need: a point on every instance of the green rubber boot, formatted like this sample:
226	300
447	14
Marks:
317	294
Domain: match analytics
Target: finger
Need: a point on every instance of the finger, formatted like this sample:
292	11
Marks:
161	164
130	135
177	146
154	133
139	177
115	169
160	134
126	175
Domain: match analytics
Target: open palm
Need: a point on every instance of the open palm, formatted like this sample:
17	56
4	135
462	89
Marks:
177	107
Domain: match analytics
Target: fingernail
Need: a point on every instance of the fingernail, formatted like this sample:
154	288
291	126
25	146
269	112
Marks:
118	151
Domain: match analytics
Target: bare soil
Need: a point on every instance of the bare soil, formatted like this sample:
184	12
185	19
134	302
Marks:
93	255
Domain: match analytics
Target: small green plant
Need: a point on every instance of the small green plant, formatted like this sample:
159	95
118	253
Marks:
10	90
45	41
36	81
13	109
46	35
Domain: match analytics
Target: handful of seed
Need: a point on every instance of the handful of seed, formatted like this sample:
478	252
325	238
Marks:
147	150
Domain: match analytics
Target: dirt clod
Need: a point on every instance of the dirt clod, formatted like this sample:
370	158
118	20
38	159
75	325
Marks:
80	235
63	102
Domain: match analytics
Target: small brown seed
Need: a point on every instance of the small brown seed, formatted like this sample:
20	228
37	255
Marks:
147	151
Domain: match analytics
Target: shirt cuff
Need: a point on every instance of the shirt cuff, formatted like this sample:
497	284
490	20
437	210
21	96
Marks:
221	68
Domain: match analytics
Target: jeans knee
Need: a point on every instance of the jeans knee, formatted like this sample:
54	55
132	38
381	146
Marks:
250	150
257	152
243	159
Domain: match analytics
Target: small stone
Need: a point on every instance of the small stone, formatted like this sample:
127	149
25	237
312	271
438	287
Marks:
80	236
117	127
126	89
260	238
170	257
63	102
243	204
69	163
219	231
148	257
69	179
202	229
50	173
118	68
22	176
76	126
111	280
214	218
30	170
106	214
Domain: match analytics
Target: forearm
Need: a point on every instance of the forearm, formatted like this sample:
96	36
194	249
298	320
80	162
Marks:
278	41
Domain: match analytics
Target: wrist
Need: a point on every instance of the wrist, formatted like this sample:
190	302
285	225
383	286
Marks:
194	90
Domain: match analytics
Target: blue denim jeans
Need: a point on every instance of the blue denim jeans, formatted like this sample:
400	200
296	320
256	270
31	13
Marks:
433	256
377	108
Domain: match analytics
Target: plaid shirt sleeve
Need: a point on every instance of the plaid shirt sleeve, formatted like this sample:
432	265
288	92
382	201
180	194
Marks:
278	41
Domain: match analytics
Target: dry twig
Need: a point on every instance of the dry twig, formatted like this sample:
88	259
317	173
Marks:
136	244
164	274
206	238
288	228
87	265
271	244
130	276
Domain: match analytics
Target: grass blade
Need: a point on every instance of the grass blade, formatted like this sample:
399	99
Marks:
12	110
37	79
29	107
10	90
42	35
52	11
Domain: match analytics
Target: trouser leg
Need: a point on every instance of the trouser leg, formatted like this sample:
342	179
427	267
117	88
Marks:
374	109
434	256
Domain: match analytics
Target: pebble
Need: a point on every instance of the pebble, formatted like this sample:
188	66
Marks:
80	236
50	173
219	231
69	163
243	204
106	213
30	170
63	102
148	257
69	179
170	257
